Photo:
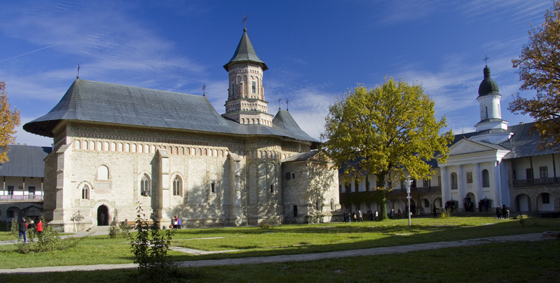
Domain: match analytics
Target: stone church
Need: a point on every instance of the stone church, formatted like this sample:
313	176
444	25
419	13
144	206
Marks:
118	147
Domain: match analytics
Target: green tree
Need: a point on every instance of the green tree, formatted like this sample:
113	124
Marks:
539	69
8	121
389	131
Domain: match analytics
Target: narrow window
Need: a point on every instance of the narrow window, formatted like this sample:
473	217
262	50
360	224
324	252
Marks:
145	188
295	210
293	175
453	181
213	187
85	192
485	178
31	190
543	172
11	190
272	188
254	87
177	186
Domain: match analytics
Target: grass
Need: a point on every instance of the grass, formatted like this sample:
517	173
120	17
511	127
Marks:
511	262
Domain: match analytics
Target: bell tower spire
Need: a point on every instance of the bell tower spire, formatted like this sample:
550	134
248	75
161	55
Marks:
245	103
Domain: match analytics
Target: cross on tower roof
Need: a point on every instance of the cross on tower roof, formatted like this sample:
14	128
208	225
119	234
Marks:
244	22
287	101
279	103
486	60
203	89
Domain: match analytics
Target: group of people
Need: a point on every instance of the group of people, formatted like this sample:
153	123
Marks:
502	212
23	226
176	223
356	217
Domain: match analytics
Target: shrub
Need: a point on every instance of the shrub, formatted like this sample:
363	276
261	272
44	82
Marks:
446	213
150	248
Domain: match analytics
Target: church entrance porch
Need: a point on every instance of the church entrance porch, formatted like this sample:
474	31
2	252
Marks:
102	216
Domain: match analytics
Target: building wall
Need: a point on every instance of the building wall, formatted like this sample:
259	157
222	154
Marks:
225	180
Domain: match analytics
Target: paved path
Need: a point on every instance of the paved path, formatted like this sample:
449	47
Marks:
297	257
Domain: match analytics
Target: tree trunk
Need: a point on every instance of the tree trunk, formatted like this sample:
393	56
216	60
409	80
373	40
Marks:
383	212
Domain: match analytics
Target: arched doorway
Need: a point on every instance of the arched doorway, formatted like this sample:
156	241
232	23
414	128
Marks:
102	216
469	202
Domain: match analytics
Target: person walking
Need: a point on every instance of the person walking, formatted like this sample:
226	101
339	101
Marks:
23	230
39	228
498	212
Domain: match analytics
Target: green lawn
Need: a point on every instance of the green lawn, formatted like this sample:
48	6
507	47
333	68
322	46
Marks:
516	261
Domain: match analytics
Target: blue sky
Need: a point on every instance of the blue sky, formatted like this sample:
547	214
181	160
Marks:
315	50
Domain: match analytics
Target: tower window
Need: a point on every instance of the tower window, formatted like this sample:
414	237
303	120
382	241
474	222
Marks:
254	87
213	187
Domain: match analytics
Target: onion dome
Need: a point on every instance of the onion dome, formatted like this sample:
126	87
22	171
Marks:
488	86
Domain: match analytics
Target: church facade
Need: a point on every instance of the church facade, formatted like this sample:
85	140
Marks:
494	166
120	147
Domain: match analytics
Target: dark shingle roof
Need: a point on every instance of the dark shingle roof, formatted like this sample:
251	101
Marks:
126	105
245	53
524	142
25	161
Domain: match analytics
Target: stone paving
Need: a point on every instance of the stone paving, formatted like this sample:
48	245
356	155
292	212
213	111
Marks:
298	257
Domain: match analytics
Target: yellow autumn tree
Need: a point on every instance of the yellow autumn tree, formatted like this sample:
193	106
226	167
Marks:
390	131
539	69
8	122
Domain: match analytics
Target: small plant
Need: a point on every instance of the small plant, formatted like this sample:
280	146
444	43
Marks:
150	248
446	213
268	223
15	227
521	218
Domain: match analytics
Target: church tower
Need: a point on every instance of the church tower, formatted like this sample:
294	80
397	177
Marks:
491	127
245	103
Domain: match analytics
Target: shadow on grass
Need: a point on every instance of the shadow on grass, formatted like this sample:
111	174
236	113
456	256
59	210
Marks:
389	233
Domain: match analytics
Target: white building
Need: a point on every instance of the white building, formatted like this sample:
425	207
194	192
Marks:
21	193
494	166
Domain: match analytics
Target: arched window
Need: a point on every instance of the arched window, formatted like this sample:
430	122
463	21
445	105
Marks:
177	186
85	192
145	186
453	181
485	178
102	173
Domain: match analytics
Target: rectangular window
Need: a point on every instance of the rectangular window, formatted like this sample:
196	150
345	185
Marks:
469	177
293	175
426	183
272	188
529	172
254	87
11	190
545	198
213	186
31	190
543	170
